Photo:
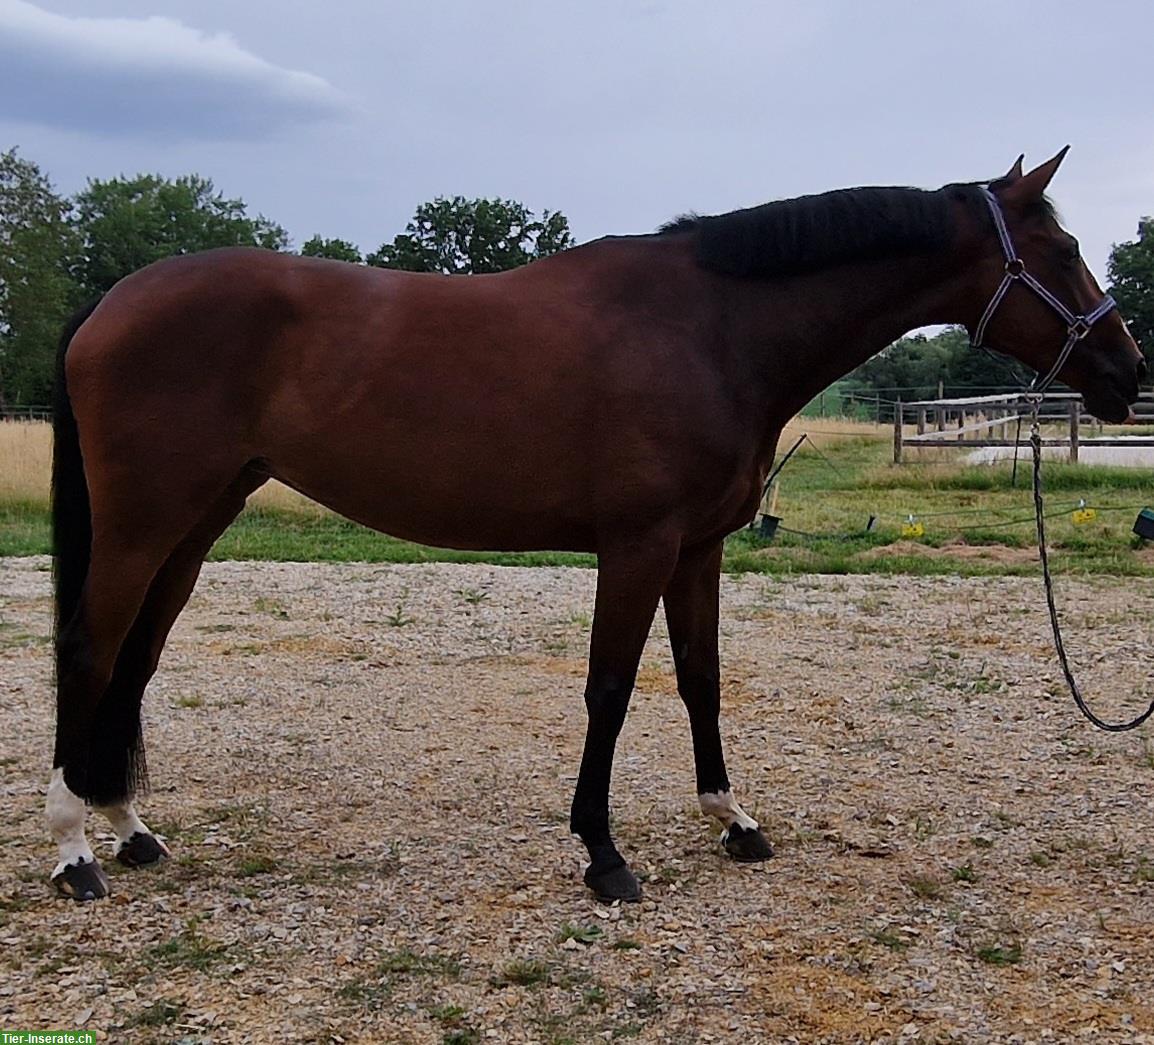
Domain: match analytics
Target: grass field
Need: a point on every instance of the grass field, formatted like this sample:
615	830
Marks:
974	520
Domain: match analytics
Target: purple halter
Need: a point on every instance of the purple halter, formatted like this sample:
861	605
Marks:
1077	327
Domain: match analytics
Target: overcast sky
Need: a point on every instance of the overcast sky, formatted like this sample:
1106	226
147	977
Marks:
341	117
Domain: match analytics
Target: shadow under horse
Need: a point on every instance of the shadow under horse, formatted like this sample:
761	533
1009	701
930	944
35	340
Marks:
624	398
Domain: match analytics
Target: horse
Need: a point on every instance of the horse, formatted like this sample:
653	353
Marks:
624	397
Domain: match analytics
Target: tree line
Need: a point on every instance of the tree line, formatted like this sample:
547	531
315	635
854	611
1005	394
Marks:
57	253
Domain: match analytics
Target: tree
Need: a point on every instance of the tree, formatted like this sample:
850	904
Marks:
127	223
336	249
457	236
1131	271
917	365
37	248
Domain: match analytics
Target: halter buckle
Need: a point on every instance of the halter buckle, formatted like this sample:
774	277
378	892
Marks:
1079	328
1015	267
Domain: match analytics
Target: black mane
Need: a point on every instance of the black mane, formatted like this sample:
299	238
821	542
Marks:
811	232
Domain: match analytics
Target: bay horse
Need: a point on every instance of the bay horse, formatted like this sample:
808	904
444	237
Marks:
624	397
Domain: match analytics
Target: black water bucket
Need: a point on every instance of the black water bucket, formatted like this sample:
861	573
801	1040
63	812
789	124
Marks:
1144	524
767	528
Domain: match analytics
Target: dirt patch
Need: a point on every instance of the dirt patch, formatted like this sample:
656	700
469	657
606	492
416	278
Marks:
993	553
370	830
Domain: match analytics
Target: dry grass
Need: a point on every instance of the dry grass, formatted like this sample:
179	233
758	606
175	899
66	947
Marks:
827	430
26	459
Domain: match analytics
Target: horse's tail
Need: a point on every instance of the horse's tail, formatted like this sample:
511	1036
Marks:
71	511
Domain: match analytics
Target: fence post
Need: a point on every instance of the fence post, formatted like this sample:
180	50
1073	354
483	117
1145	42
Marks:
921	420
898	432
1075	419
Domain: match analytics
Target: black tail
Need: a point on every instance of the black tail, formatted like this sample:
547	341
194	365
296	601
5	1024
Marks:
71	512
98	738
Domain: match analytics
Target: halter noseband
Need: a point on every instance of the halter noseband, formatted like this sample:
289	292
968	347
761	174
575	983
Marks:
1077	327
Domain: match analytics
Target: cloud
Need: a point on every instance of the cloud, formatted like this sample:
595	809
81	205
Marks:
147	77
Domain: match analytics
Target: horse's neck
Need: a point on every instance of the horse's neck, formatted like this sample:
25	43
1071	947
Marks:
804	335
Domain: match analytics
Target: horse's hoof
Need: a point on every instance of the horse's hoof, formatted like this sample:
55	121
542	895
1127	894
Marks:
142	850
82	881
747	845
618	883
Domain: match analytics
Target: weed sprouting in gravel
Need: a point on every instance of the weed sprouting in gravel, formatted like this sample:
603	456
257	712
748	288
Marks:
158	1014
585	934
271	607
448	1014
257	864
1144	870
461	1036
406	962
996	954
889	939
189	950
399	618
472	596
525	972
924	886
594	997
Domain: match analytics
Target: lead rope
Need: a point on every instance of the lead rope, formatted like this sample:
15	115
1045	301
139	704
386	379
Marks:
1110	727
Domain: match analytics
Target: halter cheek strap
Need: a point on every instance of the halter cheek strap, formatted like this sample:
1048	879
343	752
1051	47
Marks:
1077	327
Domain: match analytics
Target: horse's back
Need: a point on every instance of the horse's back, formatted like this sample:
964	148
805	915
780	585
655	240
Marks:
397	398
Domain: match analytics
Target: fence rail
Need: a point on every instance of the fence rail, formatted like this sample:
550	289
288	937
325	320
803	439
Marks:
26	413
981	421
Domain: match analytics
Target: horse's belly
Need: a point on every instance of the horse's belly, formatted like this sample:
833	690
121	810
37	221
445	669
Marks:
493	504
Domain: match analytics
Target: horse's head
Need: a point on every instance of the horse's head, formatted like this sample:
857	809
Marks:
1044	307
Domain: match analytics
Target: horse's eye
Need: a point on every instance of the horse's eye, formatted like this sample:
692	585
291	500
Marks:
1073	254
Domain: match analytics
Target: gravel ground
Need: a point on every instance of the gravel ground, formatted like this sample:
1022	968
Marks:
364	774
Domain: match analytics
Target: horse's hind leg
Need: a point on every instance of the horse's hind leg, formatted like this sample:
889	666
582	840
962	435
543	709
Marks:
87	647
113	758
691	611
168	594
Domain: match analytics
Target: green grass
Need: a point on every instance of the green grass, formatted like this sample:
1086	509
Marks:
831	495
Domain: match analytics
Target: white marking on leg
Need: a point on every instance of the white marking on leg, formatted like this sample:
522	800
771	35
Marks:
122	816
66	813
723	805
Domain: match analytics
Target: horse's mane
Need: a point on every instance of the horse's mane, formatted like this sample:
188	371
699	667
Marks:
812	232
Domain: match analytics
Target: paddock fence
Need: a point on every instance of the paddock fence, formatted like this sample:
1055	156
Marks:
972	422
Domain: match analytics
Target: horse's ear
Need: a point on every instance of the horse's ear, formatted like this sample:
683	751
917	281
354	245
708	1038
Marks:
1015	172
1029	187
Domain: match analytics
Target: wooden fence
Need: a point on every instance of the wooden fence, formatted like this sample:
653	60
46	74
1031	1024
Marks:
993	420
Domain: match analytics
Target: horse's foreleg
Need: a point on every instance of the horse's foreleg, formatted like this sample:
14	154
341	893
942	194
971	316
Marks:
631	576
691	611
